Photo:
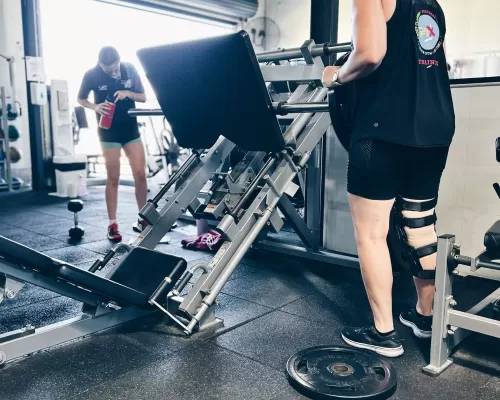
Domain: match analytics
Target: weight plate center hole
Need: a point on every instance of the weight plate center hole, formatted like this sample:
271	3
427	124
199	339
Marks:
341	369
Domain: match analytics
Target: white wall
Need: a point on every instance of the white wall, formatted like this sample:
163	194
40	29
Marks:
472	29
12	44
345	27
293	18
468	205
472	36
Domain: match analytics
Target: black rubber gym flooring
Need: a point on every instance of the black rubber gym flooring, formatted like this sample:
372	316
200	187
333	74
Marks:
272	307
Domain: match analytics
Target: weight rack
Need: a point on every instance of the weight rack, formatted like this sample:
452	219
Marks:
5	172
5	163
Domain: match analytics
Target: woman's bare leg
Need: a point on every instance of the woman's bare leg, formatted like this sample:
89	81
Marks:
371	223
137	159
112	161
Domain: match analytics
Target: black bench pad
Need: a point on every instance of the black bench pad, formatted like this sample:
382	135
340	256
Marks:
492	238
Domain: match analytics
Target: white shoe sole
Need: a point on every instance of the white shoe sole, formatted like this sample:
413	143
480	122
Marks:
383	351
416	331
114	240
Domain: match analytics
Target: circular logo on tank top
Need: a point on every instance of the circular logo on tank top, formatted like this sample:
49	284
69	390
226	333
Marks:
428	32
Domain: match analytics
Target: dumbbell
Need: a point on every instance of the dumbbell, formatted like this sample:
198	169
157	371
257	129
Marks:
75	206
15	154
13	133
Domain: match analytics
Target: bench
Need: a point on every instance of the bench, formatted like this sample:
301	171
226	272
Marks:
132	282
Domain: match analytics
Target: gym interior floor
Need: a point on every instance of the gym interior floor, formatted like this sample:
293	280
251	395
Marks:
272	307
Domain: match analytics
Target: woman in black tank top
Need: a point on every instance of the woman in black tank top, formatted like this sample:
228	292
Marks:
404	124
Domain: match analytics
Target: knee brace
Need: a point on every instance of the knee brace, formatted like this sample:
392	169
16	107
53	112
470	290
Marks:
403	255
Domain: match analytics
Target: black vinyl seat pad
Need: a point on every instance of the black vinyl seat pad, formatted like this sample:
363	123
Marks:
18	254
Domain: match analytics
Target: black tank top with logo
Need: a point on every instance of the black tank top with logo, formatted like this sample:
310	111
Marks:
407	100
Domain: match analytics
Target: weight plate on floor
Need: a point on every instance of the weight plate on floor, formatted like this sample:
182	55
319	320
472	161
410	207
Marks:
335	372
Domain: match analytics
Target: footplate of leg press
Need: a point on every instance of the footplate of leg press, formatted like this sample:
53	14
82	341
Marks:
144	270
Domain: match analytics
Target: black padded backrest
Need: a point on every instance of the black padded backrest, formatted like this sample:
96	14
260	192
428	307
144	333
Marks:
17	253
213	87
20	254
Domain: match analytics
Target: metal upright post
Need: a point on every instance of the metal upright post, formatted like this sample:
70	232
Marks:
32	34
440	349
6	146
324	24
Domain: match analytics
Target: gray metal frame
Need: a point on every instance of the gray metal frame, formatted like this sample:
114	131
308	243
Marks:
179	202
450	327
9	288
244	232
304	138
99	314
29	340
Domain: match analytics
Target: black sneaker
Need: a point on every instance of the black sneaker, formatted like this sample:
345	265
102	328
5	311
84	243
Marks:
139	226
421	326
368	338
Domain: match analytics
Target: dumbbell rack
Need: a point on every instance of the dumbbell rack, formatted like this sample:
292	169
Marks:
4	143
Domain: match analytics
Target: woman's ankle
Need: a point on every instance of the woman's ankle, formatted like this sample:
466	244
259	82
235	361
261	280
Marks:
424	311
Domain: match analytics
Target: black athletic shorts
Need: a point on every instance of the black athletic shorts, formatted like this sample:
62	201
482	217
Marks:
381	170
120	133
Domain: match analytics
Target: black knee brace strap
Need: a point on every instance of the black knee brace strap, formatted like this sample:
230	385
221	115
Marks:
403	204
402	253
415	223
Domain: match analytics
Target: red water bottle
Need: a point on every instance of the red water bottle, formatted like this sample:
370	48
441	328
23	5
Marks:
106	120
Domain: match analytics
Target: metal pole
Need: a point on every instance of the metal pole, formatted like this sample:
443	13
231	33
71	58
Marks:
281	108
244	198
488	264
440	349
289	108
324	23
317	50
13	87
300	122
10	61
174	178
5	127
144	112
32	36
231	266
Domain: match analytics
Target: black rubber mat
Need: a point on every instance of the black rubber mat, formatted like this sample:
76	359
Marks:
272	307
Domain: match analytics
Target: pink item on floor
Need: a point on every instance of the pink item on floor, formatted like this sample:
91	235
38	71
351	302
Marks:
210	241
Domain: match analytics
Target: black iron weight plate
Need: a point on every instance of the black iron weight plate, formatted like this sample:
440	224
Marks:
335	372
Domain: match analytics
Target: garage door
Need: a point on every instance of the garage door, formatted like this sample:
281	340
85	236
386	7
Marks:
225	11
